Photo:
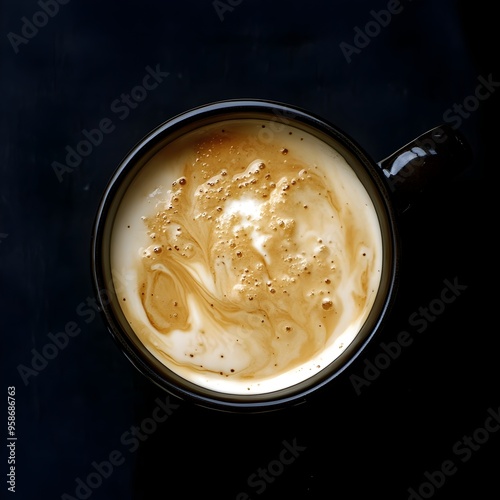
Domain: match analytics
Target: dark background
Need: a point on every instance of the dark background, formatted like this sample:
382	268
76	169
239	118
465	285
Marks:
76	409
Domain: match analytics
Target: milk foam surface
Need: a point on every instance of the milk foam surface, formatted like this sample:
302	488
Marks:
246	264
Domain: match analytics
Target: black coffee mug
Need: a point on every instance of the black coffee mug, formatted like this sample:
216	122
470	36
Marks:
393	185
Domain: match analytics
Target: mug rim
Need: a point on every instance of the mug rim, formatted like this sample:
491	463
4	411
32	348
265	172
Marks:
141	358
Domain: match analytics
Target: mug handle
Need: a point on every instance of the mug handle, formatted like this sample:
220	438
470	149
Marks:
428	160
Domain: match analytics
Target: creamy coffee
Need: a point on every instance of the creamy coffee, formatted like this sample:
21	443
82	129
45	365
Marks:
246	260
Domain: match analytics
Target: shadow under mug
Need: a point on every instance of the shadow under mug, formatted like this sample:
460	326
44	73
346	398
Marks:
393	185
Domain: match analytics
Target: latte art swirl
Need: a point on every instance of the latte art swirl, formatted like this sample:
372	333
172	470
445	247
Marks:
250	265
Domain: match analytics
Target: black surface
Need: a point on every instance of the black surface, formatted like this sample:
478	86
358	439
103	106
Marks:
80	408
